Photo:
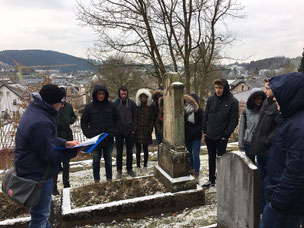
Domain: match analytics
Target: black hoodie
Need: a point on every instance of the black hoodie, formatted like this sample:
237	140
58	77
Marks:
127	112
221	114
100	117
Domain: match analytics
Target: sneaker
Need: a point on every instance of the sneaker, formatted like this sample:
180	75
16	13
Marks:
131	173
96	181
118	175
208	184
55	192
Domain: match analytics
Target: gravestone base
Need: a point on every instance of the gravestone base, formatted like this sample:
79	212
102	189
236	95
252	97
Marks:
175	184
173	168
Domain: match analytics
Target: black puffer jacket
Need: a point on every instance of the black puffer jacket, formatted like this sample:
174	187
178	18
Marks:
100	117
193	131
145	118
127	112
269	121
221	114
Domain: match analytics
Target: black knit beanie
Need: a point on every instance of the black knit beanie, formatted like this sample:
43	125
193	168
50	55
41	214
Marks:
51	94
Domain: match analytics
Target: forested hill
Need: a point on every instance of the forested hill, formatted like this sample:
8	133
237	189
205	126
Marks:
45	57
270	63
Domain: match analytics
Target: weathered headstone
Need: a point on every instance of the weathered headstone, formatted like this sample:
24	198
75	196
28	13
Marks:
238	191
173	165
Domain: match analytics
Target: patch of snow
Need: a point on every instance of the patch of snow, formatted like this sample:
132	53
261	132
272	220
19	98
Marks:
8	222
174	180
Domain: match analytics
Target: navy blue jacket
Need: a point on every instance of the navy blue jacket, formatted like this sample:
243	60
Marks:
285	181
36	142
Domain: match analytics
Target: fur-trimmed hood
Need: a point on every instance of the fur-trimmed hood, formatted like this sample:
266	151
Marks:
157	93
143	91
191	101
251	100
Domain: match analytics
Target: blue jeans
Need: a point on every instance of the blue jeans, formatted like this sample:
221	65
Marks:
107	155
247	152
194	148
274	219
262	167
40	213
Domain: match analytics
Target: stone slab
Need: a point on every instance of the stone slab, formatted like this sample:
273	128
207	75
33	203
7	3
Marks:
175	184
238	191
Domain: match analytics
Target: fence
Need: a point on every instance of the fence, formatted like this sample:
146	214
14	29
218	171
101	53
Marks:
8	132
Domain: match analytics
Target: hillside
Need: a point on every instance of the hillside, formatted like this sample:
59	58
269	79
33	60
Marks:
270	63
45	57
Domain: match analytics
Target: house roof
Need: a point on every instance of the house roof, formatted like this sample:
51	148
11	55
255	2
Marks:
17	89
243	96
250	82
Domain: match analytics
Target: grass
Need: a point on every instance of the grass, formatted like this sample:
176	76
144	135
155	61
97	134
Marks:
105	192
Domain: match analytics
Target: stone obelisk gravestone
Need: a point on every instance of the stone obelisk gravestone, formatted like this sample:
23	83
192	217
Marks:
173	165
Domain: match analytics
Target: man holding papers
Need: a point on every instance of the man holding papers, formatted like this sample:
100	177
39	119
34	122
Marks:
101	116
36	157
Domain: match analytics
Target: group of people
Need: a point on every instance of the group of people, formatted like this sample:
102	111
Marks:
130	122
271	128
272	134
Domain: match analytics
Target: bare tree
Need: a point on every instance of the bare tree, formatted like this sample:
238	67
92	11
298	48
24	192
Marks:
163	33
117	71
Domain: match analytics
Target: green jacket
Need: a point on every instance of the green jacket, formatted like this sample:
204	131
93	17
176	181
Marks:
65	117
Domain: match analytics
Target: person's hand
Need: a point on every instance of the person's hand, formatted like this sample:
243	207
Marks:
204	135
71	143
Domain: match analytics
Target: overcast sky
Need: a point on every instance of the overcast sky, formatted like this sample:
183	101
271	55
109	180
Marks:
271	28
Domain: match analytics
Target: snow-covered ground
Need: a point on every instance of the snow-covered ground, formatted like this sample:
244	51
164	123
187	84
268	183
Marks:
190	217
82	174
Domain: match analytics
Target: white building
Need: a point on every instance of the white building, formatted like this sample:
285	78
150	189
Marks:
11	98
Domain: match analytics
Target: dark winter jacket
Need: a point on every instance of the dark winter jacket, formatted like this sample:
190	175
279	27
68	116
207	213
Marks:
100	117
66	116
36	142
269	121
249	119
193	131
145	117
285	181
127	111
156	95
221	114
159	122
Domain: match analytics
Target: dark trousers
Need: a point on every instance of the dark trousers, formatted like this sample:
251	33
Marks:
278	219
119	147
214	147
262	167
159	140
65	174
107	155
247	152
146	154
